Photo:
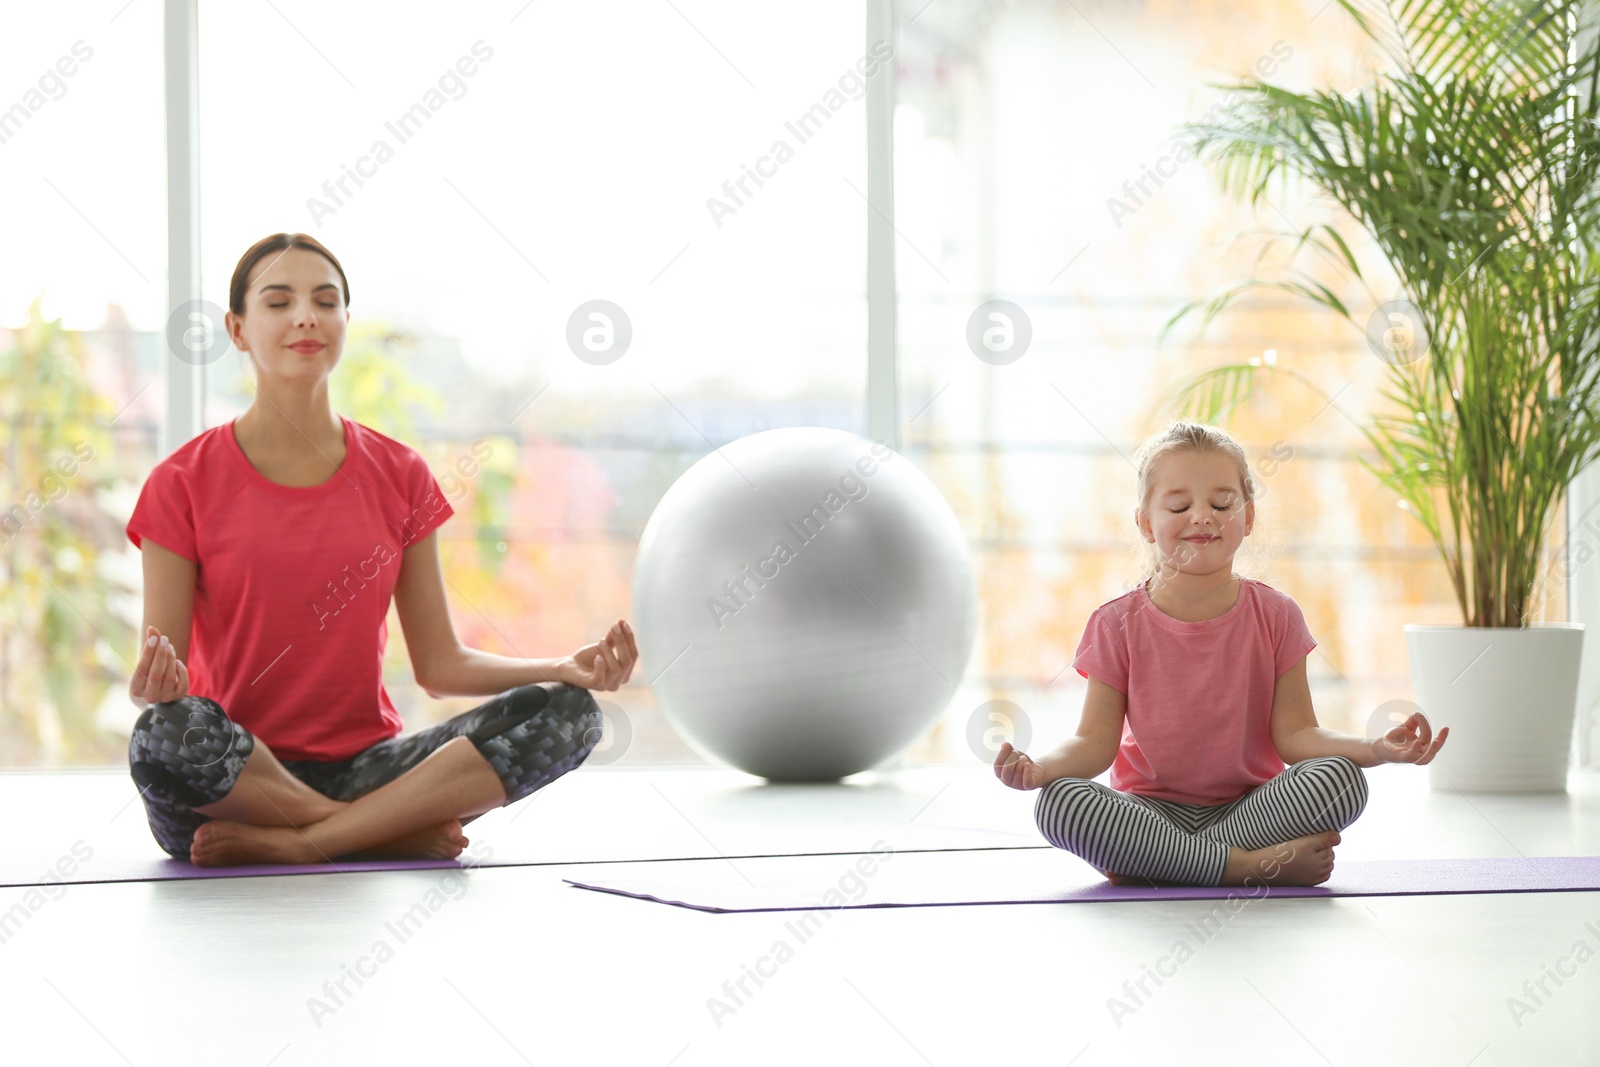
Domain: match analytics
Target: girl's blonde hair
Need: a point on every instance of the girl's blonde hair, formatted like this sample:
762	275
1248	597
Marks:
1187	437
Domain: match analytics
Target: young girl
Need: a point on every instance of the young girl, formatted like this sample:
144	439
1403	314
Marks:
1197	699
275	542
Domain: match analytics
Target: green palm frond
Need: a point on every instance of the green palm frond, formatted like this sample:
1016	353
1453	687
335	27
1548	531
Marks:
1524	37
1473	167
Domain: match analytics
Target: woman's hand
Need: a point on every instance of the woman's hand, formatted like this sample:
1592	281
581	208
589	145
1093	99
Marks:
160	675
1018	770
603	665
1410	742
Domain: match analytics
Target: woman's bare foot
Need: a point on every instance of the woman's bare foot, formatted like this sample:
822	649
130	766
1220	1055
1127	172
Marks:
223	843
1304	861
442	842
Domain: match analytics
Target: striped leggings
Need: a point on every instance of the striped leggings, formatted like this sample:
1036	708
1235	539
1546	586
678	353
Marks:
1143	837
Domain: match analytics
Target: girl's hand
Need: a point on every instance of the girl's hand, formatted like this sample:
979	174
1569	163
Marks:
1017	770
605	664
160	675
1410	742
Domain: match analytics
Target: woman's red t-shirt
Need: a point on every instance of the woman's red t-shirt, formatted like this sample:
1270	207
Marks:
292	586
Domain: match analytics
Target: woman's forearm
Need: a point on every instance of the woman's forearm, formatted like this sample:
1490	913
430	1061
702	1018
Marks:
474	673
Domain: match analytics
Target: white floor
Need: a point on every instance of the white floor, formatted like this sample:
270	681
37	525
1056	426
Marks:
516	967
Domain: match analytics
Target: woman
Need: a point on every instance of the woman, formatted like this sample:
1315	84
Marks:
276	542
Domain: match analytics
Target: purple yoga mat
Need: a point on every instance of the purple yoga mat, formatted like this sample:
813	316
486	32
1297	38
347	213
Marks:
131	856
77	827
1038	876
170	869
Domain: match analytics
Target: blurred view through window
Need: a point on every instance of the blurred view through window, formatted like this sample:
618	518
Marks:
525	170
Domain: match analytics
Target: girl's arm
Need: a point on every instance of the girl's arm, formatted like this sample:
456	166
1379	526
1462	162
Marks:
1294	726
1087	754
1093	749
1321	741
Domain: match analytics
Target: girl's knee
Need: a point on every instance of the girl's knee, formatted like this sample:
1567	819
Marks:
1061	810
1342	769
1345	777
1055	797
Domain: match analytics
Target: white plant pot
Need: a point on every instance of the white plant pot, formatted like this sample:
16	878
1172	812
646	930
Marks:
1509	696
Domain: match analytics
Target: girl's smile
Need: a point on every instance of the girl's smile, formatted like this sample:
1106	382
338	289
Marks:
1197	518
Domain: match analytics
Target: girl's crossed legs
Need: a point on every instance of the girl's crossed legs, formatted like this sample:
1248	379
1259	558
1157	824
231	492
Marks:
1143	837
405	795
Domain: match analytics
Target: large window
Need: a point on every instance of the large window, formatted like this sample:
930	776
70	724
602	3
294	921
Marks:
488	177
1037	160
83	280
481	180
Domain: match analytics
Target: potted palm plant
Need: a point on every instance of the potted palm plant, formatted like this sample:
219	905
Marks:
1471	164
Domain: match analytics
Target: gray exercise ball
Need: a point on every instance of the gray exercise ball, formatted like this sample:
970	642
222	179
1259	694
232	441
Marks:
804	603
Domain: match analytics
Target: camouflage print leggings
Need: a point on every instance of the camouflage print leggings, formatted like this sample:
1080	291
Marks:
187	753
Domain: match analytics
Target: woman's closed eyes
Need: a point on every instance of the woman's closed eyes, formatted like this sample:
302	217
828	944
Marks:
1180	511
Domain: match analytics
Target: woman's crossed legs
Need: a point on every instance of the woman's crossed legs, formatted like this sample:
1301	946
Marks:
1140	837
216	795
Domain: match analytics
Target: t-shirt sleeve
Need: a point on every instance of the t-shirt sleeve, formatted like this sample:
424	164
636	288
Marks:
1103	650
427	500
165	513
1294	637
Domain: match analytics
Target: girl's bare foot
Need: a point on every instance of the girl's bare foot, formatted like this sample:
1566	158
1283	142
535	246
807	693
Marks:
224	843
442	842
1304	861
1130	879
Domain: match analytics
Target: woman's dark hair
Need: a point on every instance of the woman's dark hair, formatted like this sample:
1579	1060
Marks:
277	243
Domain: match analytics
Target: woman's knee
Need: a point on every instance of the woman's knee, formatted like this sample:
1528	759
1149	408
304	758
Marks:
559	705
542	732
188	750
579	707
173	826
577	701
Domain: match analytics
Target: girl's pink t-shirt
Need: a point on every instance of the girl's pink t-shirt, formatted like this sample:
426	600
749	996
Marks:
292	586
1199	721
